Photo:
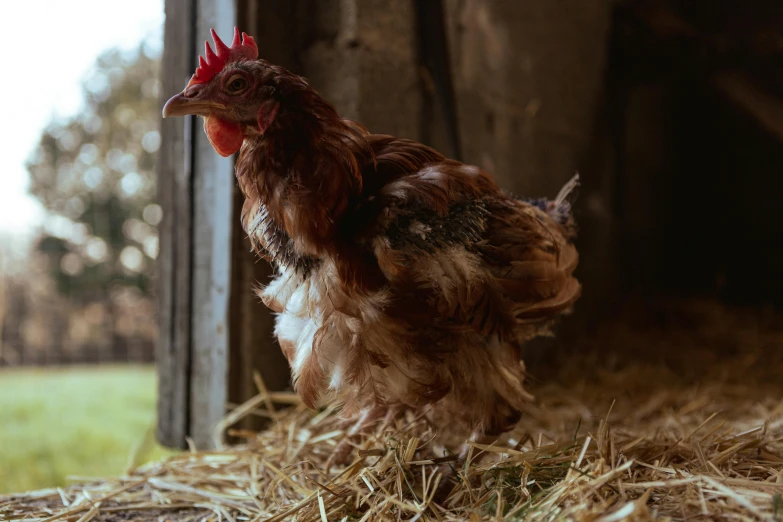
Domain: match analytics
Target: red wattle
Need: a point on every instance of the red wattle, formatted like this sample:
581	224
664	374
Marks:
226	137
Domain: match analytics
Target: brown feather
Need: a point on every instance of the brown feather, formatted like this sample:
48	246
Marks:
418	274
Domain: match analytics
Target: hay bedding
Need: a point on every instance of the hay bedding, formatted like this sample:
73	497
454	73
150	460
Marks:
687	425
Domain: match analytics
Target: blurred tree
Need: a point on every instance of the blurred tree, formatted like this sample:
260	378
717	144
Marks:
94	173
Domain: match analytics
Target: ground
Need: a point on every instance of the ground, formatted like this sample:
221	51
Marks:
83	421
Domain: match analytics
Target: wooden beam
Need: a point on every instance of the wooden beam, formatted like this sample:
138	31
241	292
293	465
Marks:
213	180
195	187
173	346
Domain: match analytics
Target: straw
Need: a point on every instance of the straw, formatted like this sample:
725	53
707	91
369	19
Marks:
610	437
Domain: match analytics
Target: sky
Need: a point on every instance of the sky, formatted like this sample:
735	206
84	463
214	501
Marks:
49	46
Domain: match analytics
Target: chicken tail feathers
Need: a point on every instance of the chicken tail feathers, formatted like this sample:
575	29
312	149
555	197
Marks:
568	194
561	208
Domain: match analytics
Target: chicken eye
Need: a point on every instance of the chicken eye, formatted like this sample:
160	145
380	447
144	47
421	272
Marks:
237	84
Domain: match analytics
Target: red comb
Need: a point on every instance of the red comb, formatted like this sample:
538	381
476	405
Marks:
241	47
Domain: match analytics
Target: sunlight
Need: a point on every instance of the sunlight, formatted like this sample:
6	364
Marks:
66	41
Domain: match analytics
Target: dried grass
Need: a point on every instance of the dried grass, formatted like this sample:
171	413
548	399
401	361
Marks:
666	433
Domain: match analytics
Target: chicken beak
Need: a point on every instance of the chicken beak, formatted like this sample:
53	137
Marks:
181	105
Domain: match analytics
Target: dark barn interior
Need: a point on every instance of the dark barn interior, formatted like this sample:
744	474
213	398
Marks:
697	136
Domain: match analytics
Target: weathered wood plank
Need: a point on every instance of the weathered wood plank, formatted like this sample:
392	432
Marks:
212	223
195	262
173	346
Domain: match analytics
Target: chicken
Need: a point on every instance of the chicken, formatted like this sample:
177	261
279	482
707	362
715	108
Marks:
402	278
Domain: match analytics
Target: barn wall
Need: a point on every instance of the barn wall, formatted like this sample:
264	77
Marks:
528	79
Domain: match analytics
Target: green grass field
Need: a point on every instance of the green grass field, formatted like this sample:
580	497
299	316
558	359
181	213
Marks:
85	421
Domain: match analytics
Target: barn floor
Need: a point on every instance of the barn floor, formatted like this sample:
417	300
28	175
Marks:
672	411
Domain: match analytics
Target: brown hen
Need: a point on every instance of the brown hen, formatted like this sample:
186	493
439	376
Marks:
403	278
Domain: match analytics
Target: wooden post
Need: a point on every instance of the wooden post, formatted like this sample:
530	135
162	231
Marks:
174	196
213	180
195	263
